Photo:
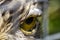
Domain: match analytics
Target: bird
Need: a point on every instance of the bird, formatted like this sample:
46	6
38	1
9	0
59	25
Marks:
19	24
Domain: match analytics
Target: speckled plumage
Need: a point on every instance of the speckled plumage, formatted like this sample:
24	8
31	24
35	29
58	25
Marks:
12	13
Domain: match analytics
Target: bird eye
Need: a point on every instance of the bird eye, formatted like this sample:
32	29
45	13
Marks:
29	20
28	24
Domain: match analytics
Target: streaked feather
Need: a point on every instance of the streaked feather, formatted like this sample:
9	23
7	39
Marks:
9	28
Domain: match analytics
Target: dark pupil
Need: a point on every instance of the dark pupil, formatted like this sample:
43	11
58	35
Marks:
29	20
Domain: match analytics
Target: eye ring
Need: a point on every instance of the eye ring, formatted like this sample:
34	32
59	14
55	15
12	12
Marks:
29	23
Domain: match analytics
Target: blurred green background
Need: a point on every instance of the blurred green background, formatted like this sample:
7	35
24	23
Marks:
54	16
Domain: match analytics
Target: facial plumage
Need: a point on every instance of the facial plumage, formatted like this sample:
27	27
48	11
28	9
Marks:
12	15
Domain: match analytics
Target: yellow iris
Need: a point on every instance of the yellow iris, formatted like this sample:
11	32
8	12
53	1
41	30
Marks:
29	23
